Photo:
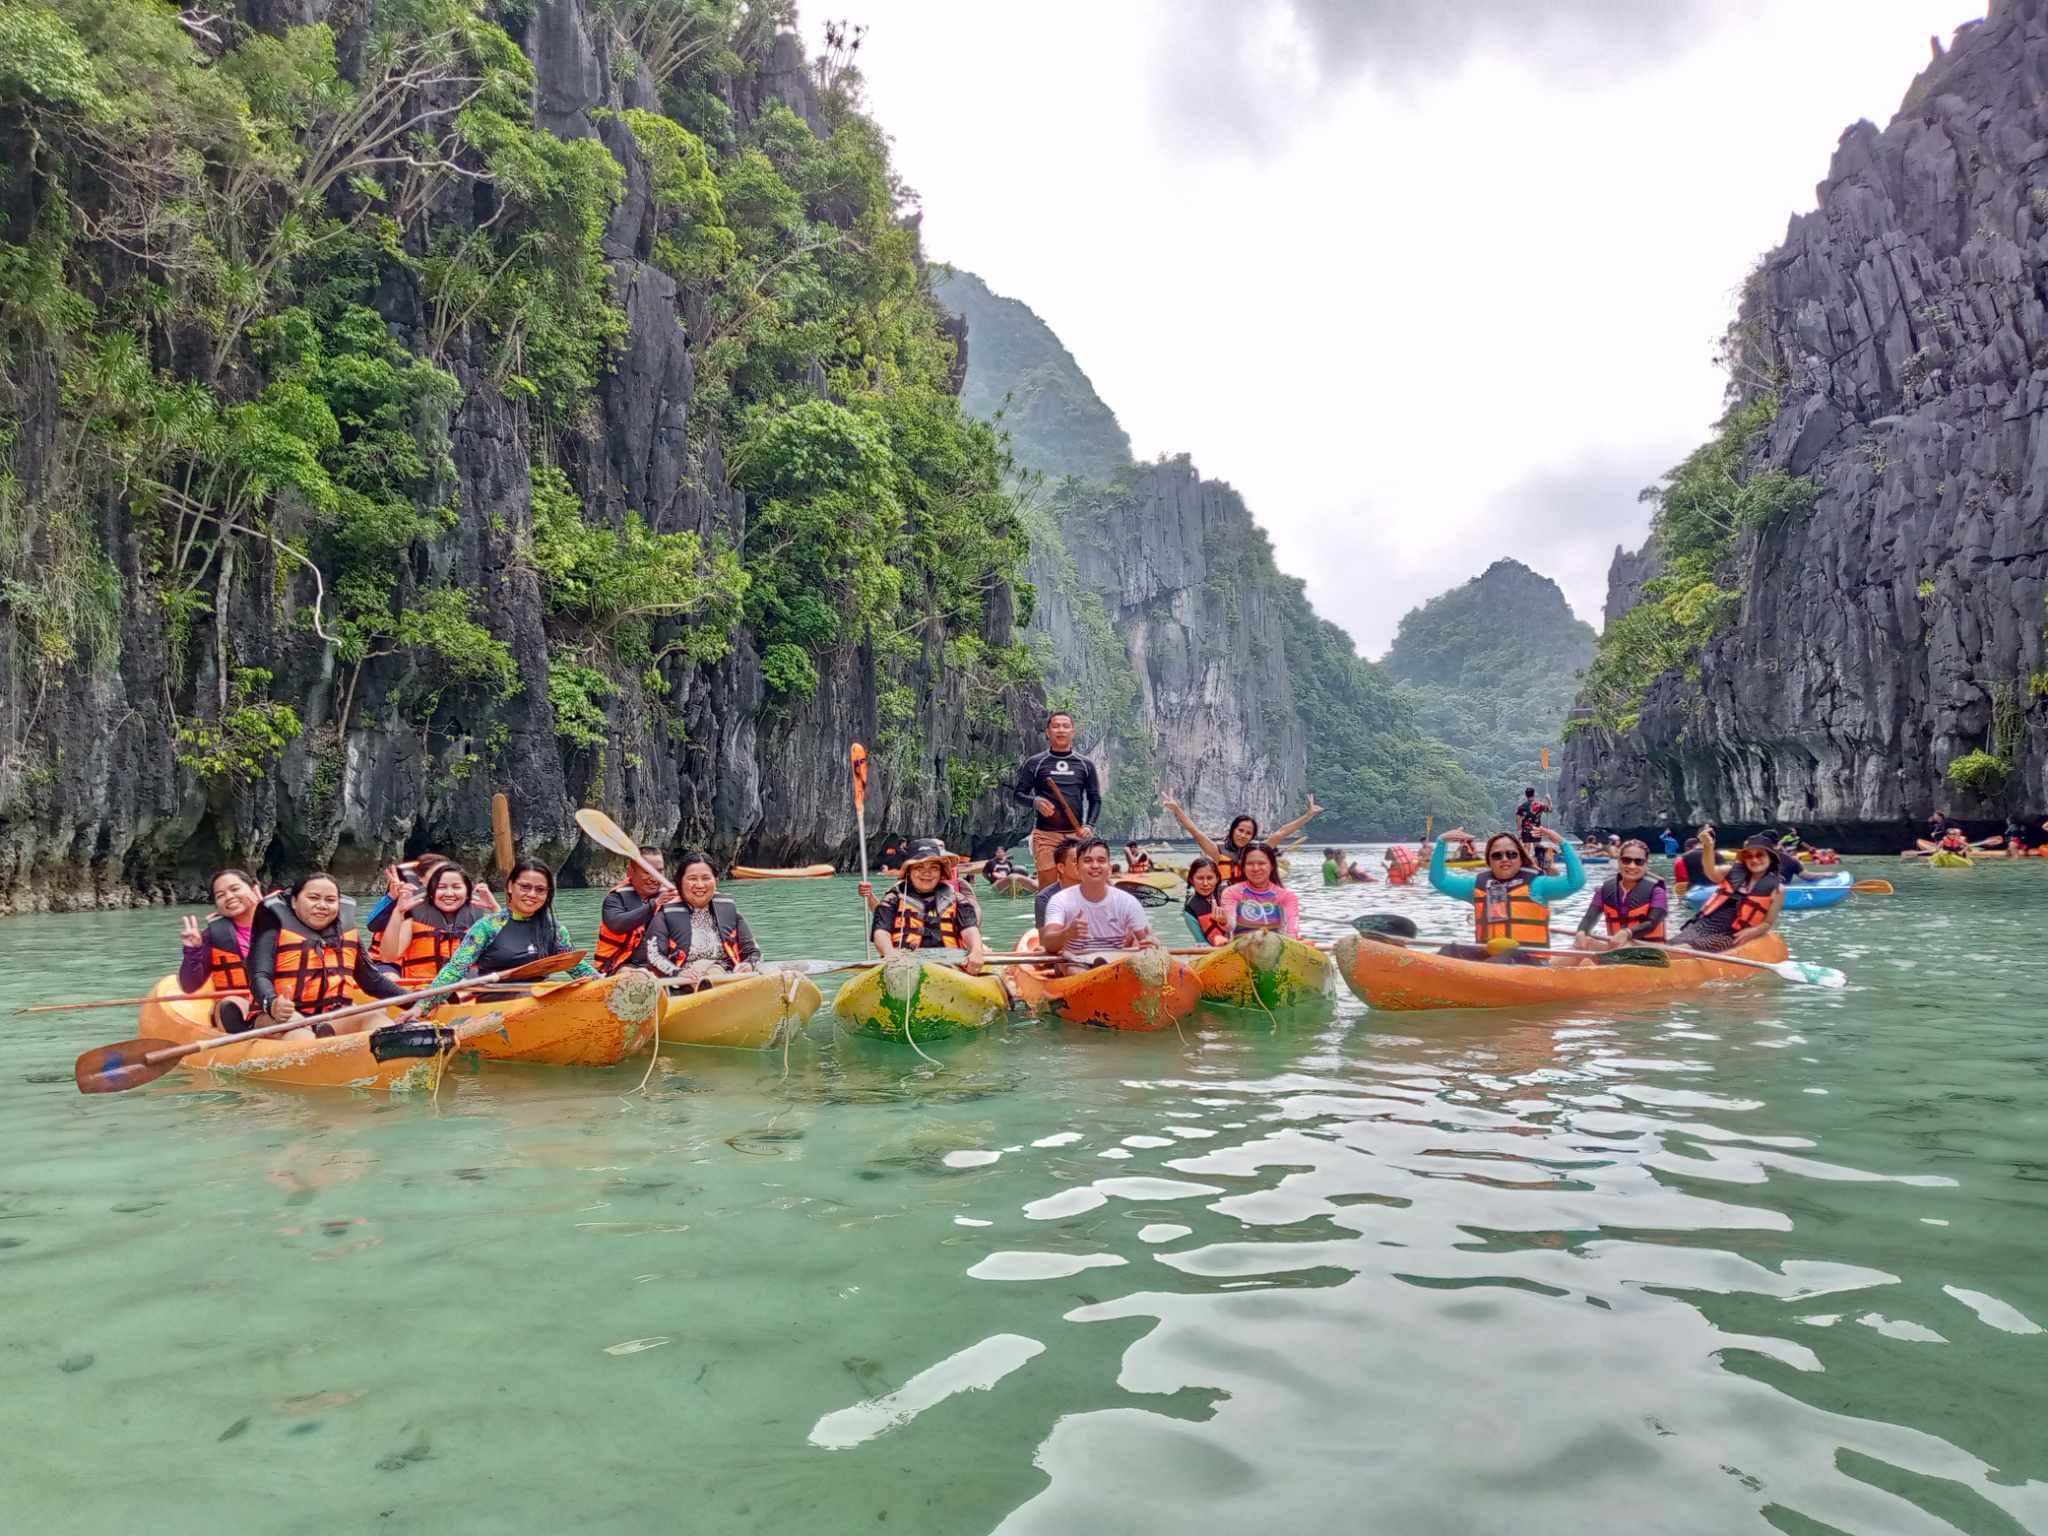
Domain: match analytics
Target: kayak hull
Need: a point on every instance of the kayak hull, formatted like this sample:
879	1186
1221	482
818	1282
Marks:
1392	978
1016	887
749	1014
1264	971
904	998
806	872
1141	989
594	1023
1806	896
1950	860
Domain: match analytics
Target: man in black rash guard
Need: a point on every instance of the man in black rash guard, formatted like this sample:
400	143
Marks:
1061	787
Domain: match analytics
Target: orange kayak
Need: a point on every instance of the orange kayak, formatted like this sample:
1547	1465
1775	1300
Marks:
1388	976
808	872
1138	989
592	1024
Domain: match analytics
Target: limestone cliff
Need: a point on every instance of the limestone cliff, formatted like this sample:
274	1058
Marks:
1873	647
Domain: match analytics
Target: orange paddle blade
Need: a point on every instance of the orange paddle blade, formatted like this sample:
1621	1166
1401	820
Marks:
860	776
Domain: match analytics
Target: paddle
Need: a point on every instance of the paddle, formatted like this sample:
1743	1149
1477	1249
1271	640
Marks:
501	833
1791	970
610	836
1875	888
136	1002
117	1068
859	758
1073	821
1386	923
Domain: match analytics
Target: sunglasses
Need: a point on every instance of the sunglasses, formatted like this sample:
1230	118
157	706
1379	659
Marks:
1637	863
1504	853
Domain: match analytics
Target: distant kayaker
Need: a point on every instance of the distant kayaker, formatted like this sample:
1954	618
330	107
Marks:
1529	815
1137	860
1063	791
629	907
1094	916
1333	867
925	910
1937	828
1510	899
698	933
1205	916
1066	869
999	866
1746	903
217	946
1695	865
1669	839
525	929
1259	902
307	957
1634	905
428	925
1357	874
1241	834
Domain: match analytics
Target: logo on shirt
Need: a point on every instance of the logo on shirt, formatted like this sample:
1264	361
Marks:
1254	913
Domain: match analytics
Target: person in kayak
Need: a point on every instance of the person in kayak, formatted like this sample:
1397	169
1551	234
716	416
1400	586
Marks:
1259	902
1067	869
629	909
1094	916
1355	873
216	956
1064	793
1937	829
307	957
1511	900
406	873
925	909
1669	840
999	866
525	929
1136	860
699	932
1205	916
1696	865
1634	904
427	925
1242	834
1744	906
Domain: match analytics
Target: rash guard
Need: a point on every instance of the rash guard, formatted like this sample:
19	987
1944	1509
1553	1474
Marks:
1548	889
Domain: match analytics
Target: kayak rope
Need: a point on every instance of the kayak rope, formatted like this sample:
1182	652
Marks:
654	1050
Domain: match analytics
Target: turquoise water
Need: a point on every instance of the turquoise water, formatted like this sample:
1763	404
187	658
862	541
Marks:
1764	1258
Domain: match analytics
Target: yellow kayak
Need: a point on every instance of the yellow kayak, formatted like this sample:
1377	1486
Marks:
1263	969
907	997
1950	860
748	1014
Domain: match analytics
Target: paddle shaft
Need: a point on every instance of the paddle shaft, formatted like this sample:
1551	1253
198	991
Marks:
136	1002
1066	810
501	833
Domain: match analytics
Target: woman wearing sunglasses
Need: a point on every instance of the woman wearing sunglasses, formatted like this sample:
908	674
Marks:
1746	904
1634	904
1510	900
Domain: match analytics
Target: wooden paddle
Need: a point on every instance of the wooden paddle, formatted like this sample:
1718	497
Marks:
136	1002
609	835
117	1068
501	833
858	756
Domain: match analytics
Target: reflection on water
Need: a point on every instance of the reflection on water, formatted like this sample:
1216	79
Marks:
1765	1258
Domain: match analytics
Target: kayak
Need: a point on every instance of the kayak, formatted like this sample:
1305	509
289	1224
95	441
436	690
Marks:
1392	977
1158	879
591	1023
907	998
748	1014
807	872
1131	989
1949	860
1806	896
1017	887
1266	970
1159	889
1464	863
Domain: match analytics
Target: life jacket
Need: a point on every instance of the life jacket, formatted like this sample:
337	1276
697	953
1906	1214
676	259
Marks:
1141	864
1752	905
227	968
999	867
725	917
614	948
1626	909
436	935
1504	909
1228	870
926	924
1211	919
317	973
1953	840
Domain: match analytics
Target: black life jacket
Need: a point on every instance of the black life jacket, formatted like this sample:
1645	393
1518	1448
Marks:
926	923
1209	918
1624	910
615	948
725	917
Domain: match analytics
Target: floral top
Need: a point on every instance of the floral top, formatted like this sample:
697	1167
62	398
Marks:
488	927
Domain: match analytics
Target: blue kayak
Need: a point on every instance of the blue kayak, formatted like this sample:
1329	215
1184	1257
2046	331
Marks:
1802	896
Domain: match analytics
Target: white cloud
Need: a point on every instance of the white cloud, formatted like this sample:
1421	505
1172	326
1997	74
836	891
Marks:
1404	292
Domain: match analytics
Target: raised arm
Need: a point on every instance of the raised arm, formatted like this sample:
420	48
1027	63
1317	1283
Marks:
1202	839
1454	883
1281	834
1556	887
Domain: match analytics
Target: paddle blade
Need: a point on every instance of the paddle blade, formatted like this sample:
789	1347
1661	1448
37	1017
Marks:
1386	922
501	833
1875	888
1651	957
606	833
547	965
1812	975
117	1068
859	758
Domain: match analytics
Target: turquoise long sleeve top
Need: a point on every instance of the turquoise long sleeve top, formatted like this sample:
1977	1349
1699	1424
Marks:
1548	889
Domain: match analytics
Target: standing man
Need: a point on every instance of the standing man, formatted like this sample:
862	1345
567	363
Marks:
1061	787
1529	826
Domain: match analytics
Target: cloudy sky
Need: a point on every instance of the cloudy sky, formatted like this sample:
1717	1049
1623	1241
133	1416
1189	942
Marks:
1429	281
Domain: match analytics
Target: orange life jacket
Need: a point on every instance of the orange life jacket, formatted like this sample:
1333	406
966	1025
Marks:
1141	864
434	941
227	968
1752	906
1229	868
1504	909
922	923
317	974
725	917
1627	909
614	948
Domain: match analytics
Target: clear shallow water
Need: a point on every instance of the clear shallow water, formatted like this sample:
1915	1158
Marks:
1767	1258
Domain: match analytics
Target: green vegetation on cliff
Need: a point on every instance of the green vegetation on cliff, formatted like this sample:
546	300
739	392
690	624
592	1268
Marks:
1490	668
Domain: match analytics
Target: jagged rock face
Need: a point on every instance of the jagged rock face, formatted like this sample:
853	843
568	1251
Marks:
1900	625
107	818
1208	651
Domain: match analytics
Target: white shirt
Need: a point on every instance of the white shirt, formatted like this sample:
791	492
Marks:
1110	921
